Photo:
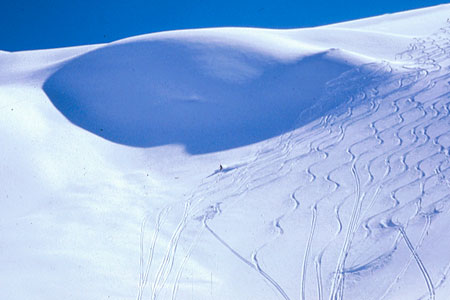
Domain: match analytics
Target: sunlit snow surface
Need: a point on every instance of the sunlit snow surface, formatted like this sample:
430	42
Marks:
352	203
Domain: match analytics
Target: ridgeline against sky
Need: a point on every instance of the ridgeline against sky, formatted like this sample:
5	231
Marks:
26	24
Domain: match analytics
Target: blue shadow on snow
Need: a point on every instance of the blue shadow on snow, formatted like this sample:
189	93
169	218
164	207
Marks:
207	97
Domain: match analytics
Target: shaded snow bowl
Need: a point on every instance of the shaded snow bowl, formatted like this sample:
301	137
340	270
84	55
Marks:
208	97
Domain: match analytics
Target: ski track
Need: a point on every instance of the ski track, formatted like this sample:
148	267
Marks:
404	117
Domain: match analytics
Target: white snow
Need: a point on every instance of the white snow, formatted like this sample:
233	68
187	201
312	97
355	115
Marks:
334	143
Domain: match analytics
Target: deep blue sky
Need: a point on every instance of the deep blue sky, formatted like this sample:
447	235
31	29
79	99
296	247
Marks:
39	24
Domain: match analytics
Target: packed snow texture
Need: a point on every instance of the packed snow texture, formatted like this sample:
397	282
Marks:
334	147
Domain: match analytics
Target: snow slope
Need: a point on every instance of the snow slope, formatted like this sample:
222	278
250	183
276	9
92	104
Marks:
334	141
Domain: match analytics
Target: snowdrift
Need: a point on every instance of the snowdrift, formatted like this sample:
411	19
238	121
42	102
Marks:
208	97
334	145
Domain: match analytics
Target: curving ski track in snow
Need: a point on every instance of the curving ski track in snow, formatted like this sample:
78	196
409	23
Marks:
374	168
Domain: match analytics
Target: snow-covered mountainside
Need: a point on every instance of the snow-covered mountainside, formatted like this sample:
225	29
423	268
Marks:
231	163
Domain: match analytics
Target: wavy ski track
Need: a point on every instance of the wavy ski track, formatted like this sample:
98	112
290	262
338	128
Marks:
404	150
387	142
